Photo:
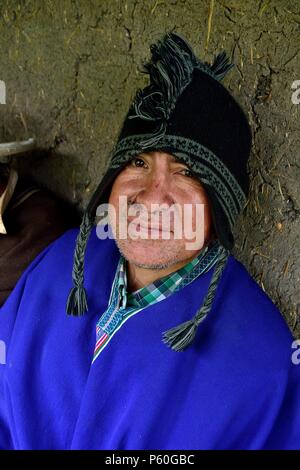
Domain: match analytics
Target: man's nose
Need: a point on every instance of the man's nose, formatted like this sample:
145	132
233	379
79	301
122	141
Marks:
157	186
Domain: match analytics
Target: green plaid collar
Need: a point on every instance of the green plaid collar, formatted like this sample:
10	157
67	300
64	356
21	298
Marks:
165	286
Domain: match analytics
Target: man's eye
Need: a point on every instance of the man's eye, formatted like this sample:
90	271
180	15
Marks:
137	162
188	173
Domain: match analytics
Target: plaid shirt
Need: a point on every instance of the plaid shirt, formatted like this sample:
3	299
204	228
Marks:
122	305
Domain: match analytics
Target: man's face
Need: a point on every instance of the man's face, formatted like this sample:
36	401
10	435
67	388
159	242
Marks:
158	178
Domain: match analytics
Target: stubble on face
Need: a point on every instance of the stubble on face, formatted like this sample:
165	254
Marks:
164	252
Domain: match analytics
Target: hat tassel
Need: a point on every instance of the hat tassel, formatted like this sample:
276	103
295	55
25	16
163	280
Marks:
182	336
221	65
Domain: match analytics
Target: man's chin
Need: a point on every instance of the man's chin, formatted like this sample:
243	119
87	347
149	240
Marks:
149	253
151	262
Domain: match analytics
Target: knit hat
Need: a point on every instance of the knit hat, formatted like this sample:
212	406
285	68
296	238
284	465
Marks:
187	112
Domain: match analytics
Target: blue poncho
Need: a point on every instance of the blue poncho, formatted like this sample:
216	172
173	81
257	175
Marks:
236	387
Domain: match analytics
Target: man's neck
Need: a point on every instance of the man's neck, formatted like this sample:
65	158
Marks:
138	277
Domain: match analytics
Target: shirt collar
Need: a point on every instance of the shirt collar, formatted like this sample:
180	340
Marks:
165	286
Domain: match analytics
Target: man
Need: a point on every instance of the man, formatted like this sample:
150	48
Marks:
168	342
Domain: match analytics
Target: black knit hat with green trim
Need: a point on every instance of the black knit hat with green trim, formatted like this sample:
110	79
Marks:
185	111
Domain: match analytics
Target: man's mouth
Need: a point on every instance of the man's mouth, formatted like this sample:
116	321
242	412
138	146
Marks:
144	227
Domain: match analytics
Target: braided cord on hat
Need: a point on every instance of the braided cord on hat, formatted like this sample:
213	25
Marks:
182	336
77	299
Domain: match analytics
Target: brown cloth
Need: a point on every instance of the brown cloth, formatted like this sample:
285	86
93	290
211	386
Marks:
33	218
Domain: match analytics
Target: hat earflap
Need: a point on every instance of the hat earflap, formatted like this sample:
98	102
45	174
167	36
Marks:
182	336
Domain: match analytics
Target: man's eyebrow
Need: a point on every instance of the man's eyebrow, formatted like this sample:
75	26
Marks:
173	158
179	160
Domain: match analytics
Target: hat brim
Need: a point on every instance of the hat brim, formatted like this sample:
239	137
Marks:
16	148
